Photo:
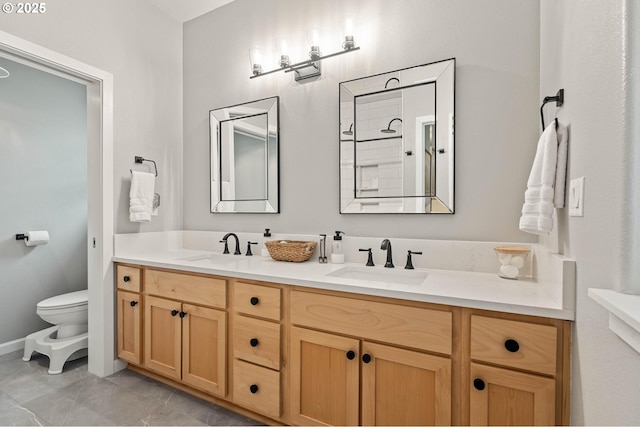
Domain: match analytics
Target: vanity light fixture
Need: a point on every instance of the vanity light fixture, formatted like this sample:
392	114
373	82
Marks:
388	129
309	67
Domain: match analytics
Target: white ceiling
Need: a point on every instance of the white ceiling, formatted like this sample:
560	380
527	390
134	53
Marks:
185	10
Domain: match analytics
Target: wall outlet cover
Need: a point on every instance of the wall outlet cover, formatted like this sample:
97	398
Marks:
576	197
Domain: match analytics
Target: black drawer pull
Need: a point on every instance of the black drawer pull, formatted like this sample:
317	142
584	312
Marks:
253	388
133	303
511	345
126	279
351	354
254	342
182	314
174	312
254	300
478	384
366	358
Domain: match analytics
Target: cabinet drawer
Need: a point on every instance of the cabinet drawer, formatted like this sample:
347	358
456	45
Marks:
419	328
256	388
257	341
184	287
256	300
128	278
514	344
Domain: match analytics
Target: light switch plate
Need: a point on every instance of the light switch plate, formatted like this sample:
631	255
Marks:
576	197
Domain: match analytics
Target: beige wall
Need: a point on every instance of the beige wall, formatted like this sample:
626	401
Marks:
583	50
496	46
142	47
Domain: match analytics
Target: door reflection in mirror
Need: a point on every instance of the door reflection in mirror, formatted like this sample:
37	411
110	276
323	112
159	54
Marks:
244	157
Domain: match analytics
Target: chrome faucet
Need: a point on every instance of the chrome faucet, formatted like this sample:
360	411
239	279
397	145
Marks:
226	248
386	246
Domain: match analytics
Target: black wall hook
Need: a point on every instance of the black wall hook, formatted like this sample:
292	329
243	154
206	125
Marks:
558	99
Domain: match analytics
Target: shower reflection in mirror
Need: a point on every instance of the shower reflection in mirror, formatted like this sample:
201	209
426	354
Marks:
398	155
244	157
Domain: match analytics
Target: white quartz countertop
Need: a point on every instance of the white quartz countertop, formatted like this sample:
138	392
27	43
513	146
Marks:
459	288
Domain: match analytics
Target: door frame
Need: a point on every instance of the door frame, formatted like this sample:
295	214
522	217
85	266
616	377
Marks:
100	225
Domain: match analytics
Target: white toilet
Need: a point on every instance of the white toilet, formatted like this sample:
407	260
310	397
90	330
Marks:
69	336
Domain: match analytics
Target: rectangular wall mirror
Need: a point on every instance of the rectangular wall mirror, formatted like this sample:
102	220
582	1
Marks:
244	157
397	141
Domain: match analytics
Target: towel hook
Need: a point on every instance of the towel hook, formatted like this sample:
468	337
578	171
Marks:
558	99
139	159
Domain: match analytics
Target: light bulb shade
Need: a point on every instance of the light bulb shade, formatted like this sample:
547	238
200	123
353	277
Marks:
255	56
349	33
349	43
282	52
314	36
282	46
284	61
315	53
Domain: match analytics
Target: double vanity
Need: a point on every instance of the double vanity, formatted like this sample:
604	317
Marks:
346	344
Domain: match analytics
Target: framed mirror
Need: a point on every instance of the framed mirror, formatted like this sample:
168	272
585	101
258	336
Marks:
244	144
397	141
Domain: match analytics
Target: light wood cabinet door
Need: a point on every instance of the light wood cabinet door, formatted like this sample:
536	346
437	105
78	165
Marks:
404	387
324	378
129	320
204	350
505	397
162	336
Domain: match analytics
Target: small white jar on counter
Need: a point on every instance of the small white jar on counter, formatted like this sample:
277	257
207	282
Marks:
511	260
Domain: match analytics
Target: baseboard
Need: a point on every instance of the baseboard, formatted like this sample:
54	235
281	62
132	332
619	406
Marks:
11	346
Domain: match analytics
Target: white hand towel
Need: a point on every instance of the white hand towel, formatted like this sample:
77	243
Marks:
537	211
561	169
141	196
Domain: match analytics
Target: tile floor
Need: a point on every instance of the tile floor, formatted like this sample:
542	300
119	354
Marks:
30	396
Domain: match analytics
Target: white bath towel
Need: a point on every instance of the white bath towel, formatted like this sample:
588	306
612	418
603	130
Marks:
545	186
141	196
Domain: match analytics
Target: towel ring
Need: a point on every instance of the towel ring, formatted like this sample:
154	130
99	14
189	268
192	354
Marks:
139	159
558	99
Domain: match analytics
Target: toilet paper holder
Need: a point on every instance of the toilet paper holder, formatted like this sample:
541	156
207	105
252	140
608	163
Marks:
22	237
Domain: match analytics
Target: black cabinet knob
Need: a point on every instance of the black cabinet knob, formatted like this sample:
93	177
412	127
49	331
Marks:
253	388
366	358
511	345
126	278
182	314
351	354
478	384
174	312
254	300
133	303
254	342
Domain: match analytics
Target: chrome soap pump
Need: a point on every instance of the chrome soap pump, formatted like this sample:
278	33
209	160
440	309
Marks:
337	257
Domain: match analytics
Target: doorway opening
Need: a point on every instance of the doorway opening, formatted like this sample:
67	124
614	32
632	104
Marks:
100	221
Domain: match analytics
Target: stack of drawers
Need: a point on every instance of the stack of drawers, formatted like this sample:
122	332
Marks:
513	372
257	348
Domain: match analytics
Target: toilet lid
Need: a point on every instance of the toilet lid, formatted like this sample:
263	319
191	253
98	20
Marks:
72	299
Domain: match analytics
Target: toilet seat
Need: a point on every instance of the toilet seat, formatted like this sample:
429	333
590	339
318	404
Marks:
69	300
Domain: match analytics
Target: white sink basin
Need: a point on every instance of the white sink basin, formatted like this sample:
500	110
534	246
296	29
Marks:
381	274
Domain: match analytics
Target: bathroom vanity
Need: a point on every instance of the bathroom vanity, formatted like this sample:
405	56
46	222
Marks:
290	344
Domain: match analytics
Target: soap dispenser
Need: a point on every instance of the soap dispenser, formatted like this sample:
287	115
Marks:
265	236
337	257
